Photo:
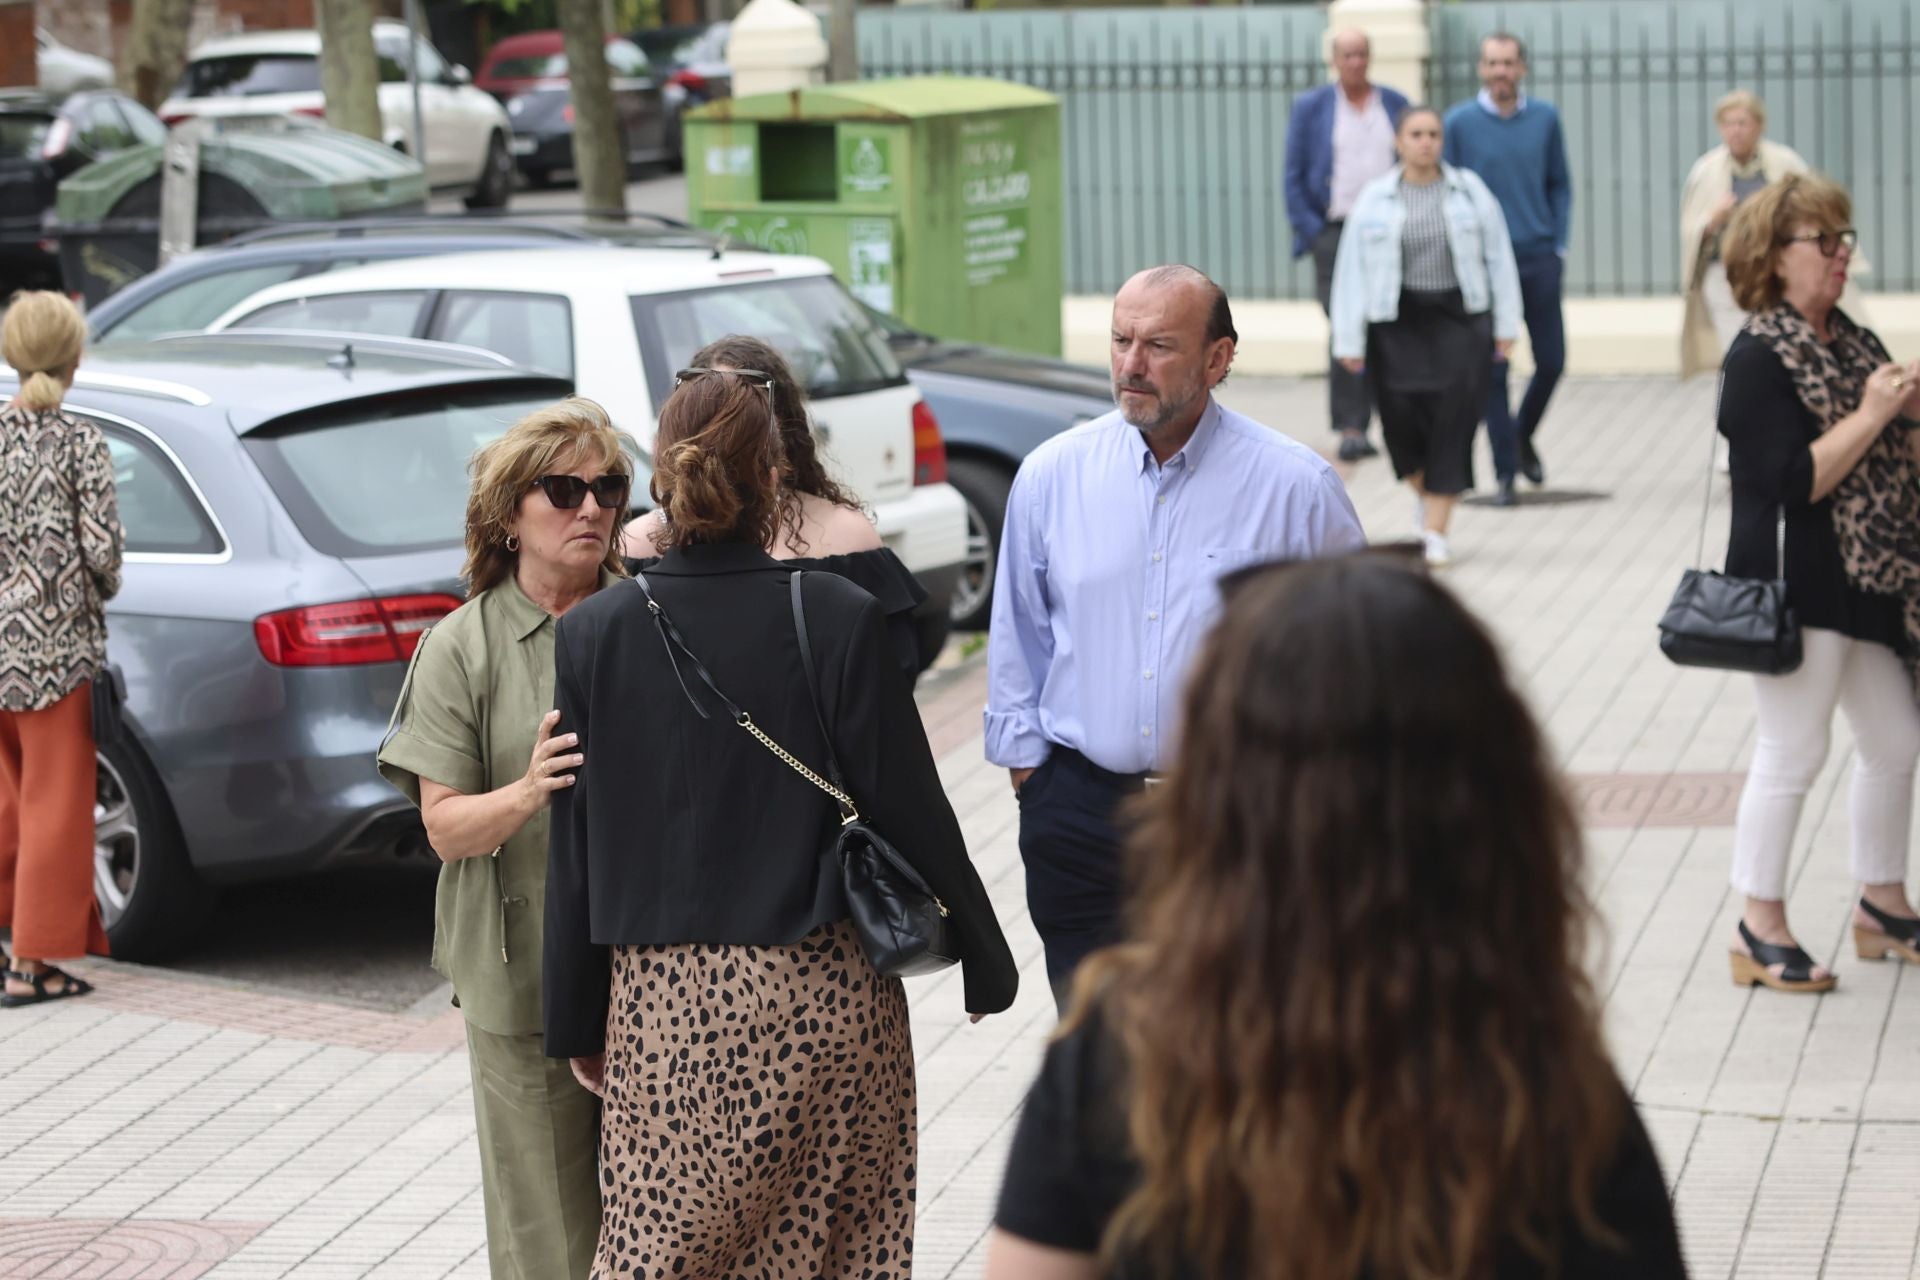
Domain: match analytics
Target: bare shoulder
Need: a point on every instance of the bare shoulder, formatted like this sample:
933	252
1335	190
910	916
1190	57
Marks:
833	530
640	538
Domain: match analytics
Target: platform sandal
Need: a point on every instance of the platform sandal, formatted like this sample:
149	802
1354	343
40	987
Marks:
1896	935
1796	973
71	986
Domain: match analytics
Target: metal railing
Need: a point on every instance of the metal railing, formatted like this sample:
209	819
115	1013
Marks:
1174	121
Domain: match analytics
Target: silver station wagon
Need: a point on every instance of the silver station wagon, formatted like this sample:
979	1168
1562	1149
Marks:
293	507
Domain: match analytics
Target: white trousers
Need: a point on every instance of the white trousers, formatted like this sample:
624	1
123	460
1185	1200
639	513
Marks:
1795	722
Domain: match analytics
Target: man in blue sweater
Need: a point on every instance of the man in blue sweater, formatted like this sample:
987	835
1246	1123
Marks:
1516	146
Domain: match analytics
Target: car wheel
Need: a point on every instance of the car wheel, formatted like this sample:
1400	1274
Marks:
496	180
151	902
985	486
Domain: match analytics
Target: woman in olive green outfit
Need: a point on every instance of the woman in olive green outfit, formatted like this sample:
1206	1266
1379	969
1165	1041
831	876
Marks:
472	745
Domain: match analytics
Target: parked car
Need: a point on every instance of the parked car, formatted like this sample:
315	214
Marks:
293	509
528	73
42	140
691	62
278	72
62	70
995	407
621	321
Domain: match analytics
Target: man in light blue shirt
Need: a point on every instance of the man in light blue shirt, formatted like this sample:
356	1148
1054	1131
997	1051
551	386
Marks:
1116	535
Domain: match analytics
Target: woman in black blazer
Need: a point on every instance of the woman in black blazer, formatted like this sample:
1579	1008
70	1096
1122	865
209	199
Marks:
701	971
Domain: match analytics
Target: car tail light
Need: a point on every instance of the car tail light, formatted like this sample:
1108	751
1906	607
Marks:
691	81
351	632
172	118
929	450
566	113
57	139
318	113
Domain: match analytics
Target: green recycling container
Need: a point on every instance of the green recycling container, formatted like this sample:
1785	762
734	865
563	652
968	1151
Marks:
935	198
107	215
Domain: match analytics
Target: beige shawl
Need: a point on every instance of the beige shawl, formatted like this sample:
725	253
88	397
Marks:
1711	181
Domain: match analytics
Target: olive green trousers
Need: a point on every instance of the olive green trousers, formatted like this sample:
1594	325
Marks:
539	1159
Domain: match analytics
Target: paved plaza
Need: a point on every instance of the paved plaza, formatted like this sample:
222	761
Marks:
185	1127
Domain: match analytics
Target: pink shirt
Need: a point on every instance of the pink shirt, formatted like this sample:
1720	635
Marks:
1362	149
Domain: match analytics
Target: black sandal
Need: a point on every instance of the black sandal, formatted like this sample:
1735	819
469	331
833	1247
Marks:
1896	934
1796	973
38	981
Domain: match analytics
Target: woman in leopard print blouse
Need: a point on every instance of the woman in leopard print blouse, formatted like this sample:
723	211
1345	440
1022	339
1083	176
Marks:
60	544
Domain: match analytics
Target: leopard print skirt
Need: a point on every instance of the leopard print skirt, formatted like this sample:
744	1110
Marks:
760	1118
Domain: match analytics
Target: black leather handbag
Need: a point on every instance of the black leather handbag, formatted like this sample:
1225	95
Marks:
109	697
904	928
1732	624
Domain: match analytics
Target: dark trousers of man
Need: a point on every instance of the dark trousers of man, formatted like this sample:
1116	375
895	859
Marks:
1348	402
1070	841
1540	277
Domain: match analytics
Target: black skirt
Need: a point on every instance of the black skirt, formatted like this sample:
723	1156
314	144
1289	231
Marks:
1428	371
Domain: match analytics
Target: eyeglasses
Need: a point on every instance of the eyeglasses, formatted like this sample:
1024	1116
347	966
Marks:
568	492
1830	242
689	374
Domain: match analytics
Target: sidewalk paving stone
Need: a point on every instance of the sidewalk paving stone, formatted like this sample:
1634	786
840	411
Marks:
181	1127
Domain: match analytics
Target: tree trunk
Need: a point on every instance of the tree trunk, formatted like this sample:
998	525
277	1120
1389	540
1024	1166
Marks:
599	158
156	49
349	69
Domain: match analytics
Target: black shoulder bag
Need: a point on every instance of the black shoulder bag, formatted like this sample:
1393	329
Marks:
1732	624
904	928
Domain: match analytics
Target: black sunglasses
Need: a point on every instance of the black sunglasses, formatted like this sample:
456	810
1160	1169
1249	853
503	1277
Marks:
568	492
1829	242
694	371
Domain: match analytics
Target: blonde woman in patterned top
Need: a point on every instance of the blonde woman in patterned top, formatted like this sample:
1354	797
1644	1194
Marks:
1425	294
60	546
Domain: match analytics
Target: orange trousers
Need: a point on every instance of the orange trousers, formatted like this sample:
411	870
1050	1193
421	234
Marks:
47	781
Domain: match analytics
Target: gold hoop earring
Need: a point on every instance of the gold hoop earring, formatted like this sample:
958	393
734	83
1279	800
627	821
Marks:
513	542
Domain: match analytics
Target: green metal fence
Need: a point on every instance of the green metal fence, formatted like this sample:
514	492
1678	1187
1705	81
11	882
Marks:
1175	120
1174	124
1636	80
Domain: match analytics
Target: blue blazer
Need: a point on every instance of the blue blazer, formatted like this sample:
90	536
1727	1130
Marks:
1309	165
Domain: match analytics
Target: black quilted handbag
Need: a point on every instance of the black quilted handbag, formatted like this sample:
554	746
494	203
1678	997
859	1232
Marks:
904	928
1732	624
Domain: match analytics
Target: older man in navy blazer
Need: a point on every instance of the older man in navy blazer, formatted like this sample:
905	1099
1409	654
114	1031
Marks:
1339	139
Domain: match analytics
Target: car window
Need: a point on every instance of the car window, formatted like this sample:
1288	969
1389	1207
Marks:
536	67
22	136
416	497
625	59
147	128
833	345
387	315
250	76
532	329
157	509
432	65
195	304
106	129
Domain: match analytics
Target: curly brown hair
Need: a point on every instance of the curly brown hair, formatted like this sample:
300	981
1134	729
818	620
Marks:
1359	1035
717	459
804	472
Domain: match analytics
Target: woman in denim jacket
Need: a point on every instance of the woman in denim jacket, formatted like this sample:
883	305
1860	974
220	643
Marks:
1424	294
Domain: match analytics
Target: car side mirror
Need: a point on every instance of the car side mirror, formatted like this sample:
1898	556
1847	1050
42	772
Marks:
458	74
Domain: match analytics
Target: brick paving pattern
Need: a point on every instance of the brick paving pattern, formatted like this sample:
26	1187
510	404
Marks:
173	1127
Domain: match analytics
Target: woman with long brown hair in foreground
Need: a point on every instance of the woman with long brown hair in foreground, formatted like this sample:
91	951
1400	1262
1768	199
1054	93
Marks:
1351	1035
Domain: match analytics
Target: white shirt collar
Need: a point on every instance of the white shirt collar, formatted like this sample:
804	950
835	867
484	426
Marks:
1485	99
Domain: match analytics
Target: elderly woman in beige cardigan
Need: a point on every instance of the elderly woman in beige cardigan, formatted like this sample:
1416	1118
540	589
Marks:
1743	164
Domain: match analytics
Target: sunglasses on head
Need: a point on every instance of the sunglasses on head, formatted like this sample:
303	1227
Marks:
755	375
568	492
1829	242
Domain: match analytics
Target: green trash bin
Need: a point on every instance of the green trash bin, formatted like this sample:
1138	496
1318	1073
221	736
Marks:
935	198
107	215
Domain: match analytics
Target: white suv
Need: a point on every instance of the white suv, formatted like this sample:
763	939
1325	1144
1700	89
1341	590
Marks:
620	321
278	73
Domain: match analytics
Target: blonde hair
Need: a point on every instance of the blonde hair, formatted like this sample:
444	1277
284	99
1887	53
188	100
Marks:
1761	225
42	340
506	469
1741	100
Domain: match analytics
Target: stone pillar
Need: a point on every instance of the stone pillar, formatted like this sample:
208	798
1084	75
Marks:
1398	31
775	46
18	63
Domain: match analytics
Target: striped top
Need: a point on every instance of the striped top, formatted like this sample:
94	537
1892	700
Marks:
1427	261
